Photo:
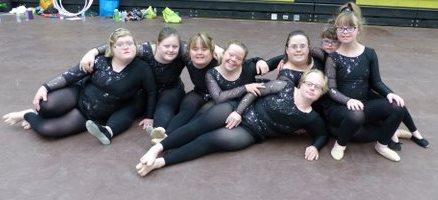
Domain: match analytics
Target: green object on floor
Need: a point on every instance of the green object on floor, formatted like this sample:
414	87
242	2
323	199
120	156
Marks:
170	16
150	13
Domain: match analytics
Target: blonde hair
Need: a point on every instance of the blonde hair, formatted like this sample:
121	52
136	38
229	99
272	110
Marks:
206	41
240	44
317	71
114	36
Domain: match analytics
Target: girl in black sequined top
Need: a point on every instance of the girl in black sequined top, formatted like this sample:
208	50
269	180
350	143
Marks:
280	110
167	59
106	96
353	72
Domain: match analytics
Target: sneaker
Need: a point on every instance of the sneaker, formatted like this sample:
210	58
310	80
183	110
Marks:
98	131
338	151
387	152
170	16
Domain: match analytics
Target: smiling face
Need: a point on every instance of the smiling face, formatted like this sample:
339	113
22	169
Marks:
168	48
297	50
200	54
233	57
124	48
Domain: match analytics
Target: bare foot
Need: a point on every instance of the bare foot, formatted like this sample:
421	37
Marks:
150	156
14	117
143	170
25	125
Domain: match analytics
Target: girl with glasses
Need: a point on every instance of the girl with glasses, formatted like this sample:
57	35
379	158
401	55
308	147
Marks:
353	72
279	109
106	97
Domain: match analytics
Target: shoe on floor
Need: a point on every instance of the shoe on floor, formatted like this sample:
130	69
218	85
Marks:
150	13
403	134
337	152
98	131
158	133
170	16
421	142
396	146
387	152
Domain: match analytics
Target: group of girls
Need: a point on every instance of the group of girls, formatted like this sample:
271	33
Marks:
228	109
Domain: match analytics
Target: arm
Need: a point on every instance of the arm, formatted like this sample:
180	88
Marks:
330	71
271	87
72	75
316	127
273	62
221	96
317	53
375	80
235	117
150	88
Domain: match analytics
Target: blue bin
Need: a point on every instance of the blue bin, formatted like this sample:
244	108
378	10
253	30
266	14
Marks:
106	7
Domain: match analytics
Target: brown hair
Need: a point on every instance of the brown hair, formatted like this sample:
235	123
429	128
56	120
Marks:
329	32
114	36
167	32
206	41
292	34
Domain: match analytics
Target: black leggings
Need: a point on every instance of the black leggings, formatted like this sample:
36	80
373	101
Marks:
377	111
60	117
205	135
407	118
190	105
167	105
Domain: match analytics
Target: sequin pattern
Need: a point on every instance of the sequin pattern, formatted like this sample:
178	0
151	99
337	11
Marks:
274	114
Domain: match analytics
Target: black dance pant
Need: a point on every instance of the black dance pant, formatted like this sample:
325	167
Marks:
380	116
167	105
205	135
60	117
190	105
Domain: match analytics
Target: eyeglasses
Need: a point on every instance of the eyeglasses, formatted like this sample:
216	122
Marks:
296	46
314	85
348	29
124	44
327	42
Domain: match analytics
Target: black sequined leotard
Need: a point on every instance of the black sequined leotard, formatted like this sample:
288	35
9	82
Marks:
223	90
107	90
277	114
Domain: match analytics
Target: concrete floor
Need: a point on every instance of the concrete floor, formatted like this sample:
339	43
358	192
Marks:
79	167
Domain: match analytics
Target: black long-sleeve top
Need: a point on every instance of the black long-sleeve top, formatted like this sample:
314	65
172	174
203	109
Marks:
198	76
223	90
354	77
276	113
166	75
106	90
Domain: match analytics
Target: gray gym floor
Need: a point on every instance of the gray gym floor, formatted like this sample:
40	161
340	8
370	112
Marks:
79	167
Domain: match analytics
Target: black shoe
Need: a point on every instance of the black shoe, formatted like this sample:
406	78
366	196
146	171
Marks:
98	131
396	146
421	142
